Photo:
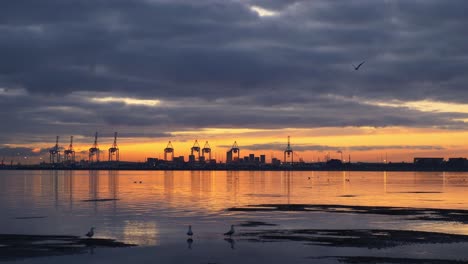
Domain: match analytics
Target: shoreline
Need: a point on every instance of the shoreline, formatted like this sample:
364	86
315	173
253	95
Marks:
26	168
408	213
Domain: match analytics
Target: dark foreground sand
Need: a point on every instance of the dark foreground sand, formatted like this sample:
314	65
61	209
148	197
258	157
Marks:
13	246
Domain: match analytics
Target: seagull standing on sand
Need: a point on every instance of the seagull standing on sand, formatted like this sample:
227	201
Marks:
189	232
90	233
359	66
230	232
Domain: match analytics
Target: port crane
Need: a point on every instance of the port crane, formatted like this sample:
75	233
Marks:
94	150
114	153
54	152
289	153
69	153
206	149
169	149
195	148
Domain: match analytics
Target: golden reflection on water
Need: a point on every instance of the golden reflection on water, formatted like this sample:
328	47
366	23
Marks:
141	232
149	204
217	190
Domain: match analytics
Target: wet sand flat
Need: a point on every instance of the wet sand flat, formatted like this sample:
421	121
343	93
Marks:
16	246
430	214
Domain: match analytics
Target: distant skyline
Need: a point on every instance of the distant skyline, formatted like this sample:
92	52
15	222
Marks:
251	71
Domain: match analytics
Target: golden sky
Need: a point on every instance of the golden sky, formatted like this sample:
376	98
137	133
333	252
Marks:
361	143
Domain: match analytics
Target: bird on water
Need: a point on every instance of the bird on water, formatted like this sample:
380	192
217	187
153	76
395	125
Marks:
359	66
230	232
189	232
90	233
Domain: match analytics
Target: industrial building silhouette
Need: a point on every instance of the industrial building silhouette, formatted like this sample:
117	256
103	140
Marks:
201	158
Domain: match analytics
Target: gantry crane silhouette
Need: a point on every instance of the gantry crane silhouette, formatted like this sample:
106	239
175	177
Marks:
195	148
94	150
234	149
114	152
54	152
206	149
289	153
69	153
169	149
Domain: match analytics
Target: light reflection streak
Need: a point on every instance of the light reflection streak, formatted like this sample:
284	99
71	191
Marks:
141	232
385	181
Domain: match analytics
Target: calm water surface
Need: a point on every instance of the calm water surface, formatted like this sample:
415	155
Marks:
156	212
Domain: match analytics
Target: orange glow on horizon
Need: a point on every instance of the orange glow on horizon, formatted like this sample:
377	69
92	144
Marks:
379	141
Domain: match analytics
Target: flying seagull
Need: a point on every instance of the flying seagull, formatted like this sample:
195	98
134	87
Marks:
230	232
90	233
359	65
189	232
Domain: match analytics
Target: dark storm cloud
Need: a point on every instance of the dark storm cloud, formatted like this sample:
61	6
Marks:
307	147
222	65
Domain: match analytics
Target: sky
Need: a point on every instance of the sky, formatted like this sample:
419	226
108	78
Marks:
251	71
